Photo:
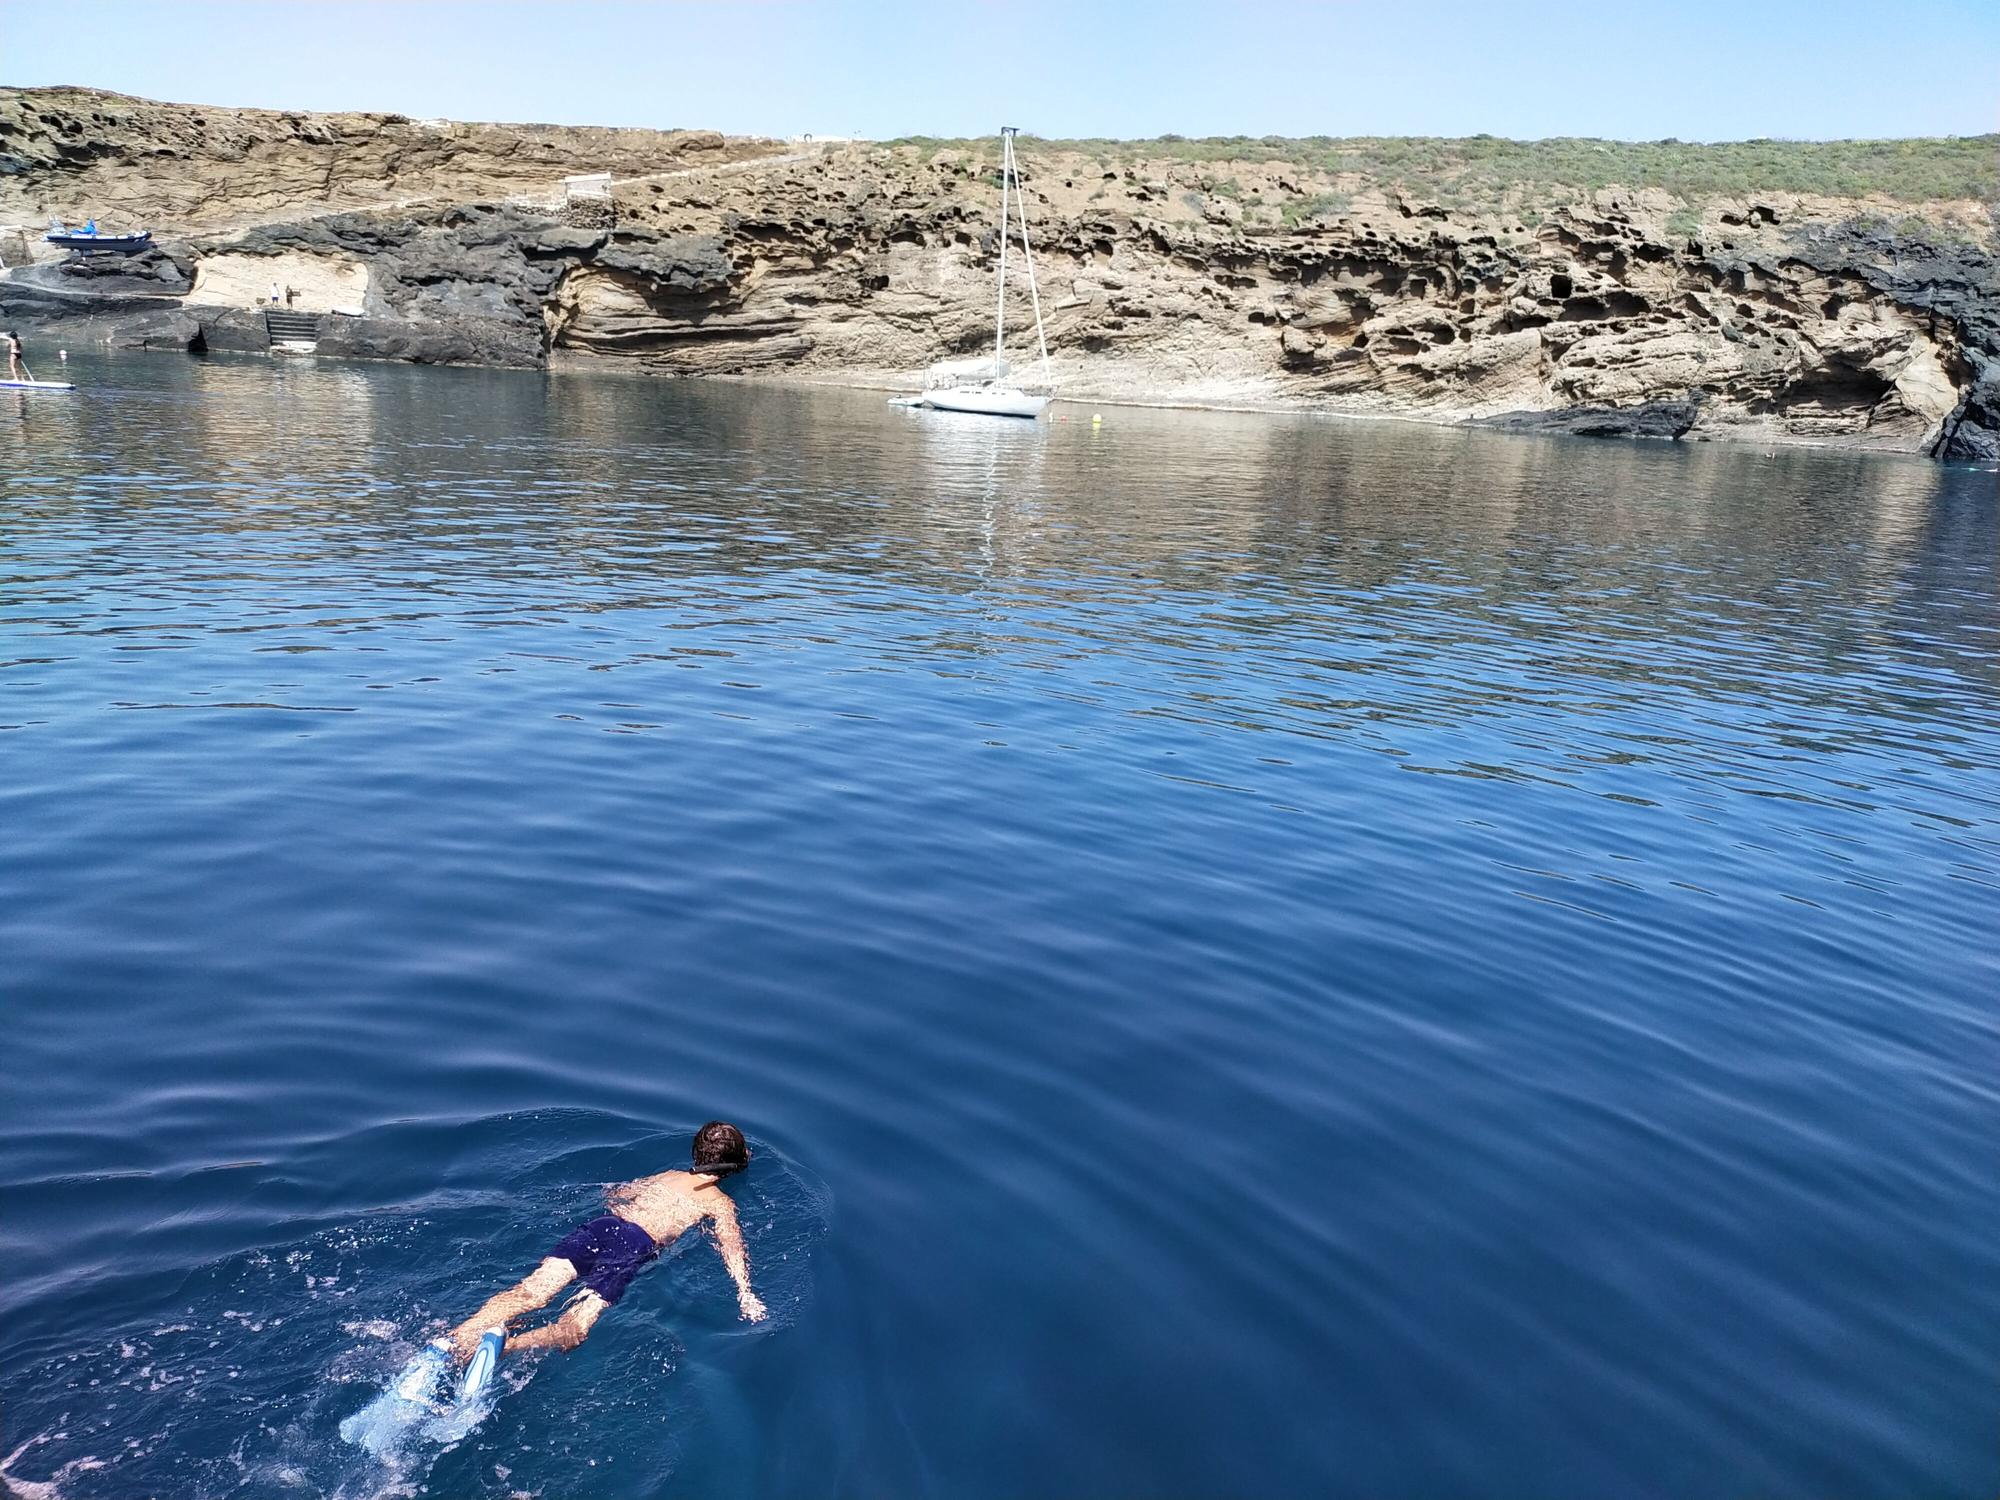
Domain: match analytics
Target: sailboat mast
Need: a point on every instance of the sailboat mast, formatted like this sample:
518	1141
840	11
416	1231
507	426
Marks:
1000	296
1028	255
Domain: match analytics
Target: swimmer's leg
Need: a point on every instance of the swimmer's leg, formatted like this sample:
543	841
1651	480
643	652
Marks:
566	1332
550	1277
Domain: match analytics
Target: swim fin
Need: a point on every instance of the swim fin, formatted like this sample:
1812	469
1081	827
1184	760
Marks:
479	1369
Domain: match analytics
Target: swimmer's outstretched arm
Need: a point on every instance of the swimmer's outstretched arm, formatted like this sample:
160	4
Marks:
729	1243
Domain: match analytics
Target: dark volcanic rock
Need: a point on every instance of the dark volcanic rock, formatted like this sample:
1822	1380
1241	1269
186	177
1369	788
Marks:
155	269
157	330
691	265
232	328
563	239
26	300
1958	286
1654	419
462	292
457	341
1972	432
353	234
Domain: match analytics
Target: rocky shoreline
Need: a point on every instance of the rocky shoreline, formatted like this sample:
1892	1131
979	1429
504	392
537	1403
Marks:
1777	317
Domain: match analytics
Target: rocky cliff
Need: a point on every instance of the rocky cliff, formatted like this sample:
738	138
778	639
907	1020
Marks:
1175	272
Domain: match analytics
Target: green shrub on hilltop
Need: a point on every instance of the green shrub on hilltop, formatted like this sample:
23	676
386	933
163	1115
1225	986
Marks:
1481	167
1318	206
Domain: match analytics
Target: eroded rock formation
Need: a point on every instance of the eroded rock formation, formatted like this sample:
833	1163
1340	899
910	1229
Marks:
1782	317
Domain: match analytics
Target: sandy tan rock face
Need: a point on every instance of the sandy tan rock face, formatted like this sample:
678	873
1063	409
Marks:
305	283
1230	283
136	163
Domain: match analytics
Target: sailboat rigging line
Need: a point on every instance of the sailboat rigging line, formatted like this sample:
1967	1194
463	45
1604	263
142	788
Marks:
1000	292
1027	251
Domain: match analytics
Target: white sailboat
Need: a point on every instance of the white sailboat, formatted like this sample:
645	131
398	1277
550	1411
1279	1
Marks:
985	389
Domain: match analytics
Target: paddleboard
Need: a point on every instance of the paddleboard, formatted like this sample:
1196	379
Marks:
36	385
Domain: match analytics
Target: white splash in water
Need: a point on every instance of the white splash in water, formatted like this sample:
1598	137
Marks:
43	1489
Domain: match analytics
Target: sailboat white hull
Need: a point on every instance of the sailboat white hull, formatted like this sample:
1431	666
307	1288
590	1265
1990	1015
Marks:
986	403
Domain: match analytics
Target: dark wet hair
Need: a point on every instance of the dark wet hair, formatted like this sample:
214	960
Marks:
719	1149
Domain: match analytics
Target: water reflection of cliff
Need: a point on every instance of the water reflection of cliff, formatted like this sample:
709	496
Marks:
1213	534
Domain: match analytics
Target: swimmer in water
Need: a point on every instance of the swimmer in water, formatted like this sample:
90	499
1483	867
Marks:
611	1249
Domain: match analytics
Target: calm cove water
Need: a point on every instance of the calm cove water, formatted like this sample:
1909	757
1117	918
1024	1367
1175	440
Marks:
1261	957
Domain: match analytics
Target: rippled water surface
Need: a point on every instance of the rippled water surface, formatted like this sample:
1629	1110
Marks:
1263	957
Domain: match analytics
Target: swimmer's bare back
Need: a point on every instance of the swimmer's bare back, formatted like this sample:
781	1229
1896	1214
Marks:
668	1204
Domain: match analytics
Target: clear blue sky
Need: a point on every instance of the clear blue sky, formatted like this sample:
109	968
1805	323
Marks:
1697	69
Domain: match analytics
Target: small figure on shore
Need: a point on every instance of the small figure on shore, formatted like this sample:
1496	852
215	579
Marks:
15	370
608	1251
289	295
274	294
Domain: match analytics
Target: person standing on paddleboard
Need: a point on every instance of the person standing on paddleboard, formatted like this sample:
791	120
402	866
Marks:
608	1251
15	370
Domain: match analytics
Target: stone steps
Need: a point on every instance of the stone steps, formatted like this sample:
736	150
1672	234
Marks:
292	328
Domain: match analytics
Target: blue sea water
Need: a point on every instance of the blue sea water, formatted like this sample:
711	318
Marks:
1261	956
